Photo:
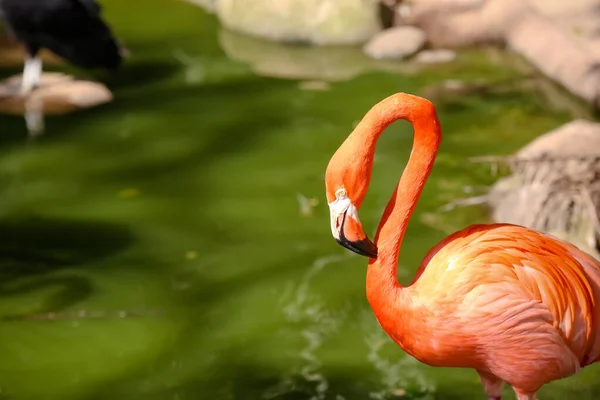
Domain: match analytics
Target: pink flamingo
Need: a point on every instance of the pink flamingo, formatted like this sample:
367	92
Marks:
516	305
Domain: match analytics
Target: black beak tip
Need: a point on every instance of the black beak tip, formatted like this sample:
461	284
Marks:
362	247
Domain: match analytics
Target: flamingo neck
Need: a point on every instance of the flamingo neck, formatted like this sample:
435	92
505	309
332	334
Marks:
385	294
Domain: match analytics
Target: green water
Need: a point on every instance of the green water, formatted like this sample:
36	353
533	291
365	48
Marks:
179	201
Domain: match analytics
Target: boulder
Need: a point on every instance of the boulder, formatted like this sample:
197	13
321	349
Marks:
319	22
579	18
554	186
57	94
397	43
578	138
564	47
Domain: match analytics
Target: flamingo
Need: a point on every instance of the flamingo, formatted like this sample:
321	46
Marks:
519	306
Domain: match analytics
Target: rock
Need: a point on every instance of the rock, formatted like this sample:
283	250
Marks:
57	94
557	56
568	54
578	138
449	5
320	22
397	43
555	187
453	24
435	56
578	18
562	213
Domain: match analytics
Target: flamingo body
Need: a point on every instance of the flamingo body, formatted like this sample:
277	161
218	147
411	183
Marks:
508	301
517	305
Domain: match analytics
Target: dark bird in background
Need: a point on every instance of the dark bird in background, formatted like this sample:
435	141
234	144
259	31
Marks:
72	29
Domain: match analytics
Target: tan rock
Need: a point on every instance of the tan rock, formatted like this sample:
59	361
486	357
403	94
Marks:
57	94
554	186
578	138
533	30
398	43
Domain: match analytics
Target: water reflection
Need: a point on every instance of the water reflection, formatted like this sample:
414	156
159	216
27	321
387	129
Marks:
304	62
302	306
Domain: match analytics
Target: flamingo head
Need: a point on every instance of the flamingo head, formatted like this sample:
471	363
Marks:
345	193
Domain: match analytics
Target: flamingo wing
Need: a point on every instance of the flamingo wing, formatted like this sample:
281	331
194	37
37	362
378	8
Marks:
519	295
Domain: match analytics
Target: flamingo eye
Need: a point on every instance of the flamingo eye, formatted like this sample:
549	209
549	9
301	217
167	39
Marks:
340	193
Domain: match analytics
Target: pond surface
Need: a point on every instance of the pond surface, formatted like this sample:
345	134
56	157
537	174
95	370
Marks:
165	246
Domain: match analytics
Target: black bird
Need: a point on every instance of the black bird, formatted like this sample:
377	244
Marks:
72	29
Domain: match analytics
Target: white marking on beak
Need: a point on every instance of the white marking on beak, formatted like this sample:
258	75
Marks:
337	208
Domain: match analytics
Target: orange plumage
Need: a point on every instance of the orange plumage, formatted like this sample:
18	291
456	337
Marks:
516	305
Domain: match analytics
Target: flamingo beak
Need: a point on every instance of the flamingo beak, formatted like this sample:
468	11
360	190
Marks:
347	231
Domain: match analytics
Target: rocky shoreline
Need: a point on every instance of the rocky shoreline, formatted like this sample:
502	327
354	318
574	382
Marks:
560	39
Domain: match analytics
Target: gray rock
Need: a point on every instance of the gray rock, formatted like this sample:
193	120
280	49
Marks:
397	43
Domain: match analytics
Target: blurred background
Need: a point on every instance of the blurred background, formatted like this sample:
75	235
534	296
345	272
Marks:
163	229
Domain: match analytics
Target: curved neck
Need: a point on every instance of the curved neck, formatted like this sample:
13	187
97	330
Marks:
383	289
393	224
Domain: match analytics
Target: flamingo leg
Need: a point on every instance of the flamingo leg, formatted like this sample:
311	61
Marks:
31	74
34	116
521	395
492	384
